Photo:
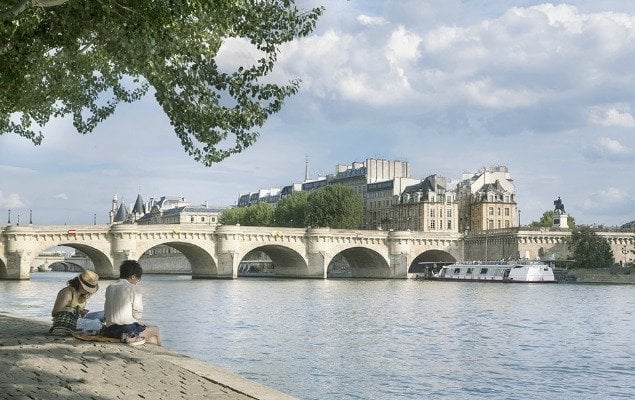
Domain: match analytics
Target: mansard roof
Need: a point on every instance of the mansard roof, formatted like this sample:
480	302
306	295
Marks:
423	187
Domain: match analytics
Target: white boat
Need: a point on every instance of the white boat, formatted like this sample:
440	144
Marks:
496	271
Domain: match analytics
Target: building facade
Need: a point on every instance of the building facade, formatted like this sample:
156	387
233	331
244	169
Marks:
486	200
429	206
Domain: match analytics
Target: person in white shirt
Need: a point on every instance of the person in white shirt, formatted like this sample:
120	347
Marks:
123	308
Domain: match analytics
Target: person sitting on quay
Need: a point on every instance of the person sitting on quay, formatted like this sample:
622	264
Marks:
123	308
70	303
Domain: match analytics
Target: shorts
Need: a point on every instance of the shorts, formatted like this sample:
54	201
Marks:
115	331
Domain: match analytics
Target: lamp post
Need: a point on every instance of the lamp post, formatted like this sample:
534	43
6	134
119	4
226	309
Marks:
519	217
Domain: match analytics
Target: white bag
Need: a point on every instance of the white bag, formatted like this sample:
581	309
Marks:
89	326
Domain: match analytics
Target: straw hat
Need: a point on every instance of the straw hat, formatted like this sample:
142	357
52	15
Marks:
88	280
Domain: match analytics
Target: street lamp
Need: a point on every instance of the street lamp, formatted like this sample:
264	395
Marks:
519	217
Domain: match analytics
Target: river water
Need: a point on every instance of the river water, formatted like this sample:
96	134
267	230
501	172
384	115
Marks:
388	339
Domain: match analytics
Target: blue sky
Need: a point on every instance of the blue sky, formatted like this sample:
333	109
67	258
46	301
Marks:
547	89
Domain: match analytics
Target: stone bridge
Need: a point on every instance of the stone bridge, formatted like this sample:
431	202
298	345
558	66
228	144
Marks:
216	251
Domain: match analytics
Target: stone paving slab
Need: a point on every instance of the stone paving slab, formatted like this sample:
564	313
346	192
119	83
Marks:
34	365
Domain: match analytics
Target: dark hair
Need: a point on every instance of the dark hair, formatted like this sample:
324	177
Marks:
75	284
129	268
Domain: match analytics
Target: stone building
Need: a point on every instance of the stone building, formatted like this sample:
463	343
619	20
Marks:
163	210
429	206
486	200
378	182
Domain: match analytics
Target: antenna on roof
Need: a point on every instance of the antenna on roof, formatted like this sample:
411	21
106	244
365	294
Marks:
306	168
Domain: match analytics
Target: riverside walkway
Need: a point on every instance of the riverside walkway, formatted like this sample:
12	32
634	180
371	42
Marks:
34	365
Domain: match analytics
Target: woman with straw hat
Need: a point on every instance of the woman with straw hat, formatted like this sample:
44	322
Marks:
71	302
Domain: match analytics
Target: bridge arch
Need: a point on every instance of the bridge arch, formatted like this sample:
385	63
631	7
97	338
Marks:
202	263
101	261
428	258
287	262
358	262
65	266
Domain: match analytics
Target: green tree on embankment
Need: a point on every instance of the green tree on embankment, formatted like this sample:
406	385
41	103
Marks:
546	221
292	210
336	206
589	249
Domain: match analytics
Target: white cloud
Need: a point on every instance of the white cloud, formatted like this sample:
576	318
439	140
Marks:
12	200
236	52
617	116
370	21
607	198
608	148
61	196
485	93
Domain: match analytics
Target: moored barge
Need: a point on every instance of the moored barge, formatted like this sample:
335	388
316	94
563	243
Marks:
497	271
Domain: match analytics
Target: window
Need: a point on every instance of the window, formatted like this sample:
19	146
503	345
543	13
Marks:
432	213
507	211
432	224
449	225
457	270
490	224
448	213
469	271
499	211
192	219
506	224
483	271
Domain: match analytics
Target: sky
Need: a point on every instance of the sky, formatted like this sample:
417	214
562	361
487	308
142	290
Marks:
546	89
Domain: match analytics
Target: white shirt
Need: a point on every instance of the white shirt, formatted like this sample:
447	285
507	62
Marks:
123	303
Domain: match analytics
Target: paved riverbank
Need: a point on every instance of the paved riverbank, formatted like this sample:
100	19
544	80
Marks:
616	275
34	365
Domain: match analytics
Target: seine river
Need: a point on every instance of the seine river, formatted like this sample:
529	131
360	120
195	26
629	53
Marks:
388	339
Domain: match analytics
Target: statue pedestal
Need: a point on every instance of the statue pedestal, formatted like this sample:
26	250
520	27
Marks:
560	221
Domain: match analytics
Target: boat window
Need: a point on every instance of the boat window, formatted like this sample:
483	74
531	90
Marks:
457	270
469	271
483	271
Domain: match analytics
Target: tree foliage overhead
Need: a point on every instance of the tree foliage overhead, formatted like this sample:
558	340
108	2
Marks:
589	249
83	57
